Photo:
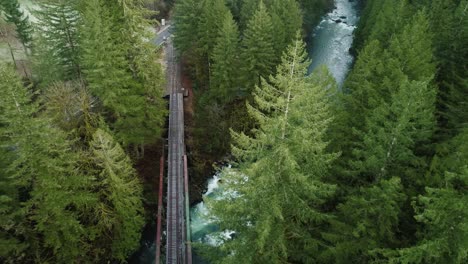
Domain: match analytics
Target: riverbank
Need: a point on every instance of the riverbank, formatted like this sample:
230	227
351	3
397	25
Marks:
208	136
329	44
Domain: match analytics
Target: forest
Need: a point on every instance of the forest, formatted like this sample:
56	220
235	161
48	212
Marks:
77	110
371	171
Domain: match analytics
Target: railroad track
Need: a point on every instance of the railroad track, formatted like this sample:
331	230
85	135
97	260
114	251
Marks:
176	218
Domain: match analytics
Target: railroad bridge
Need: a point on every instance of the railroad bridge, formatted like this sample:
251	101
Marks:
178	248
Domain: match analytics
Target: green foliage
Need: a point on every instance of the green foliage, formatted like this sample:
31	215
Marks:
387	127
13	14
247	11
384	86
123	72
212	16
225	75
381	19
275	196
443	211
72	108
258	54
44	64
393	130
186	24
449	24
119	214
50	192
286	18
369	220
58	29
79	200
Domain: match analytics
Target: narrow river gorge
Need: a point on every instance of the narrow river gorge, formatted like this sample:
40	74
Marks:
330	43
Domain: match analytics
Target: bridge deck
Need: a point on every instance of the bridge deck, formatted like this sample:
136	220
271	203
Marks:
176	252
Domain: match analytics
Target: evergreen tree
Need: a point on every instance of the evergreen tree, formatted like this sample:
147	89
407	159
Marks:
13	14
72	108
381	19
44	63
58	22
448	23
119	215
391	17
387	147
362	94
211	22
143	124
391	108
368	220
235	7
443	211
248	8
378	78
186	24
258	54
225	76
286	18
11	244
50	193
126	75
275	208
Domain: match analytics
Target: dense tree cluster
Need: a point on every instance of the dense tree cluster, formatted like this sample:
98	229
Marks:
229	46
374	173
69	192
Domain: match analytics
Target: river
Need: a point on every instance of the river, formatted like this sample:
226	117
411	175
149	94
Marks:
329	45
332	39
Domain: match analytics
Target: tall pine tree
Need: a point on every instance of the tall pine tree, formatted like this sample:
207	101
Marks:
276	193
258	54
126	76
119	213
57	25
225	75
51	195
13	14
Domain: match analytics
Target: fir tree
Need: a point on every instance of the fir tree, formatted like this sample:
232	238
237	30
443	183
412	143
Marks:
248	8
378	78
286	18
368	220
258	54
186	24
14	15
449	23
443	211
391	17
44	63
362	94
51	194
274	209
225	76
72	108
395	101
126	75
211	21
58	27
120	209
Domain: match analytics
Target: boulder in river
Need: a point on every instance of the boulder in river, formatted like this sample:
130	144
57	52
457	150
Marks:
343	17
338	21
